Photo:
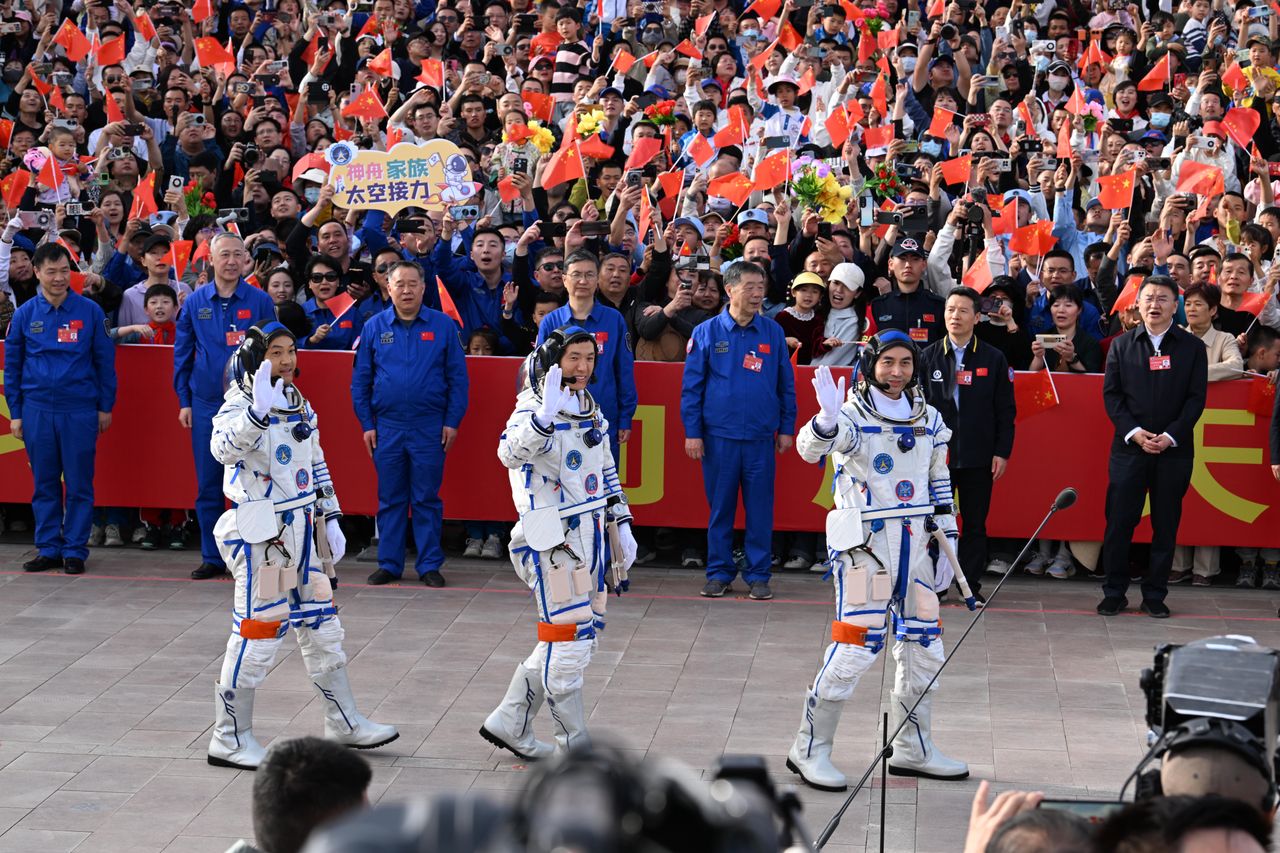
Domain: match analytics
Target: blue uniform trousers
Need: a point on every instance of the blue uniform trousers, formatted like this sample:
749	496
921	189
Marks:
410	464
210	502
61	447
730	465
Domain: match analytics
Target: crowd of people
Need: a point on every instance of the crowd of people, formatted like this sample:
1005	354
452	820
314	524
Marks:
868	158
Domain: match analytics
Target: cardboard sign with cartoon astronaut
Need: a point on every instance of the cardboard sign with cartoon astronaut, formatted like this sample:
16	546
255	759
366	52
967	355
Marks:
433	176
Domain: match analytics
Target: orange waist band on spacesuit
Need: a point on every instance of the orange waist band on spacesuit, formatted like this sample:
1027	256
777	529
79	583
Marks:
252	629
552	633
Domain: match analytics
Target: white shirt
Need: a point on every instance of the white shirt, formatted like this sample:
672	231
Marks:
1156	340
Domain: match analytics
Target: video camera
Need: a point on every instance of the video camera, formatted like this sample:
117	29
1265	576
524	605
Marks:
594	799
1219	692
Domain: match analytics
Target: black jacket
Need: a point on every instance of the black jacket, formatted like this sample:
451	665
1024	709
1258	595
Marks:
1156	400
921	309
983	427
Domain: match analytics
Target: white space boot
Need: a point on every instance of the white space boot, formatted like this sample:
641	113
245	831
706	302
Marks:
914	752
342	722
233	744
510	725
571	721
810	755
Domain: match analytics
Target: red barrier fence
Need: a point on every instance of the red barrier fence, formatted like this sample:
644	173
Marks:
144	460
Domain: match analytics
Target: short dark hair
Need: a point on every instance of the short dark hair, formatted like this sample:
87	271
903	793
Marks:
407	265
1239	256
1260	337
488	334
1059	253
159	290
1066	291
1161	823
491	231
741	268
1159	281
1210	293
1044	830
581	256
302	783
48	253
544	253
705	106
322	261
968	293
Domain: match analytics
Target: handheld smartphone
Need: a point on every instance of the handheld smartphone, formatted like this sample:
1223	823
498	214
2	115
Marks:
866	211
646	100
633	178
75	208
913	19
1094	811
520	165
594	229
551	230
175	183
236	214
464	211
41	219
134	129
318	93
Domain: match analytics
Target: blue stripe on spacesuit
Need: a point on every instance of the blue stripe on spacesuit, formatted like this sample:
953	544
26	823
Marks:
570	607
904	562
305	561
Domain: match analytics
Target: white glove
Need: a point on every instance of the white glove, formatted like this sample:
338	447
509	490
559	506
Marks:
830	398
554	397
262	391
11	229
943	573
628	542
337	542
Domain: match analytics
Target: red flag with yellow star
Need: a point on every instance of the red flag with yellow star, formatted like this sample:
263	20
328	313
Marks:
1116	191
1033	393
1262	397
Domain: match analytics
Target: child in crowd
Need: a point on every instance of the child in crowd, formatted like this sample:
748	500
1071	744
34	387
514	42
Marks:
844	325
161	305
523	335
804	320
484	538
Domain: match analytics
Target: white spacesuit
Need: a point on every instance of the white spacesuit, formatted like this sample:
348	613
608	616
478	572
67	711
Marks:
563	482
277	480
891	485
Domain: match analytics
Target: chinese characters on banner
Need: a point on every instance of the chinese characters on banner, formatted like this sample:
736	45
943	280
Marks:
432	176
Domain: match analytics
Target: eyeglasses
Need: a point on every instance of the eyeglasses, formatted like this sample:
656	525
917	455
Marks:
383	268
589	275
317	277
551	267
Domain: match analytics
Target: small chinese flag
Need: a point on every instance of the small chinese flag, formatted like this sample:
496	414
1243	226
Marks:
433	74
671	183
935	9
1116	191
1064	141
179	255
1034	239
887	39
446	302
646	212
766	9
623	61
978	276
201	10
878	137
594	146
762	57
1033	393
1129	296
77	281
702	22
211	52
1254	302
507	190
72	41
111	53
50	175
1095	54
1235	78
1242	125
1262	397
339	304
564	165
144	198
538	105
366	105
837	125
807	81
956	171
145	27
14	186
700	151
1159	76
394	137
381	64
1200	178
879	98
56	100
1075	104
6	132
642	151
730	134
44	88
686	47
735	186
370	28
788	37
773	170
942	119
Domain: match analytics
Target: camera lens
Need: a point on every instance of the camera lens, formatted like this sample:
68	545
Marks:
949	32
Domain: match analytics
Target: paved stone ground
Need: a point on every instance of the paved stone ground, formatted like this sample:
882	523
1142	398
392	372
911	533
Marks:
106	682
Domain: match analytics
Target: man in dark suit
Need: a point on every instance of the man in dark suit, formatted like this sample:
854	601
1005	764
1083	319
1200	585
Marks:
1154	389
970	384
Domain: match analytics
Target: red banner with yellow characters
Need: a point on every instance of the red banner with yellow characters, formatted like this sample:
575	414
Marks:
144	460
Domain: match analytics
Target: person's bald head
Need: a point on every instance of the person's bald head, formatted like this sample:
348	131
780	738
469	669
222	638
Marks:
1199	770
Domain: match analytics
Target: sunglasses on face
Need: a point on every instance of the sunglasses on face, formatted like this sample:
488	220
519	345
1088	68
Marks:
551	267
317	277
383	269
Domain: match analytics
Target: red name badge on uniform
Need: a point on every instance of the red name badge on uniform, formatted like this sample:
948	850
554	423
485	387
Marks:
964	377
68	336
918	334
602	338
753	362
428	336
235	338
1159	362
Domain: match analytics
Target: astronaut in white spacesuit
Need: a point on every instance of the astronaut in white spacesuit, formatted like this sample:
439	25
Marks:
280	541
891	488
574	534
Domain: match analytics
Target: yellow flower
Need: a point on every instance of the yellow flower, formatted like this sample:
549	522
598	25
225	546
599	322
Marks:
591	123
846	192
543	139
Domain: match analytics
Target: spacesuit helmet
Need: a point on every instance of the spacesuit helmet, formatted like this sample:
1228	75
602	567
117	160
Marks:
248	357
878	345
551	352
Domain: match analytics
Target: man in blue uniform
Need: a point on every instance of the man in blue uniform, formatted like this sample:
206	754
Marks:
60	384
409	389
614	388
738	404
211	325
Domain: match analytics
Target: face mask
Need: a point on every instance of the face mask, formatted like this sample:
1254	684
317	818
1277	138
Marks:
681	76
509	254
1042	63
933	149
1029	35
1160	119
908	64
749	35
311	194
12	75
1057	83
649	37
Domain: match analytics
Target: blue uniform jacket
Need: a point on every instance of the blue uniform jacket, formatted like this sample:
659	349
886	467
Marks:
59	359
375	304
477	304
723	396
407	373
615	379
207	335
342	334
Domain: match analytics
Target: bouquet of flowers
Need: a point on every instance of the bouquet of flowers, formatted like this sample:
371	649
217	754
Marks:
731	247
589	124
884	182
661	113
197	201
1092	116
817	189
542	138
